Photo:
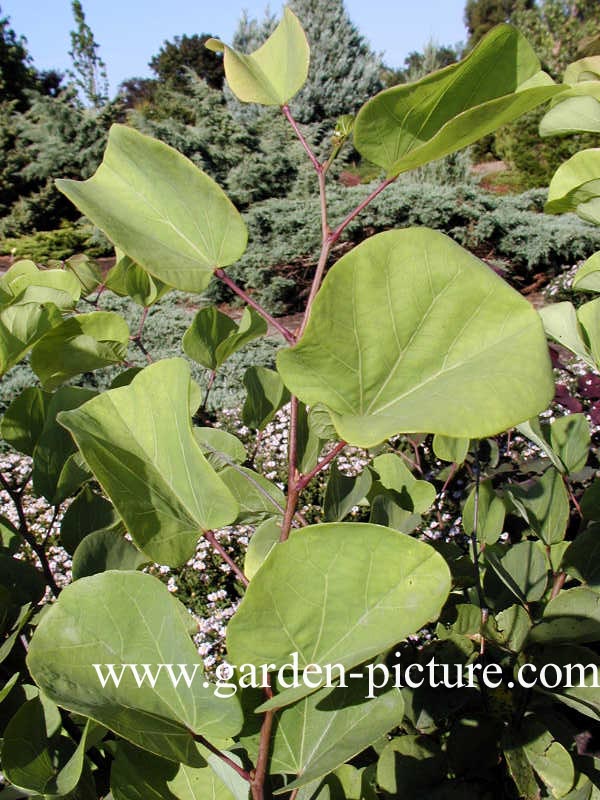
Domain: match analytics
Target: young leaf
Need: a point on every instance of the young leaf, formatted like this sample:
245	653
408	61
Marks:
452	349
587	278
490	521
576	187
544	505
220	447
53	475
37	761
81	343
386	511
410	124
86	271
24	420
128	618
213	336
275	72
161	210
519	571
128	279
394	476
572	616
257	497
582	558
22	324
447	448
87	513
374	587
103	550
263	540
139	443
561	323
343	492
266	395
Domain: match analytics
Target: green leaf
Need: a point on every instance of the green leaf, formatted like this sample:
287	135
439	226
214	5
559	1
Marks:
544	505
520	571
275	72
266	395
572	616
411	765
324	730
139	443
137	775
80	344
220	447
572	115
21	580
547	757
521	772
411	494
256	497
213	336
452	349
490	519
309	443
24	420
373	588
34	759
128	279
582	558
565	442
104	550
447	448
86	270
570	439
512	627
9	536
263	540
161	210
410	124
343	492
62	284
87	513
53	477
128	618
576	187
561	324
587	278
589	318
386	511
22	324
579	666
9	280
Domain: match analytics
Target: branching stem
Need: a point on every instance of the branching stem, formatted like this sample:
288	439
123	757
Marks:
27	536
287	335
214	542
229	761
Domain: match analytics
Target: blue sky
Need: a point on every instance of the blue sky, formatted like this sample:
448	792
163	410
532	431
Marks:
131	31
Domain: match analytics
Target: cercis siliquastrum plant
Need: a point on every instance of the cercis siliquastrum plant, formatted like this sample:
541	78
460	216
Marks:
407	335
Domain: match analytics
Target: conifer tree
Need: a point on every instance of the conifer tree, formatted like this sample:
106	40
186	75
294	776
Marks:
89	70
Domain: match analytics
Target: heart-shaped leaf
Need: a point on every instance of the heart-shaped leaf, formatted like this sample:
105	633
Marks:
275	72
22	324
121	619
213	336
452	349
410	124
161	210
139	443
587	278
373	587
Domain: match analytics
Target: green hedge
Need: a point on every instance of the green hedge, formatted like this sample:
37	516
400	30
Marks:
284	237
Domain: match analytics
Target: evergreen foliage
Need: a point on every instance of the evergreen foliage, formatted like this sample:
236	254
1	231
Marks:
188	52
89	70
17	74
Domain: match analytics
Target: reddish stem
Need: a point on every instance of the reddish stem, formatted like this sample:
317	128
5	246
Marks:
287	335
293	477
305	479
215	751
359	208
313	159
212	539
